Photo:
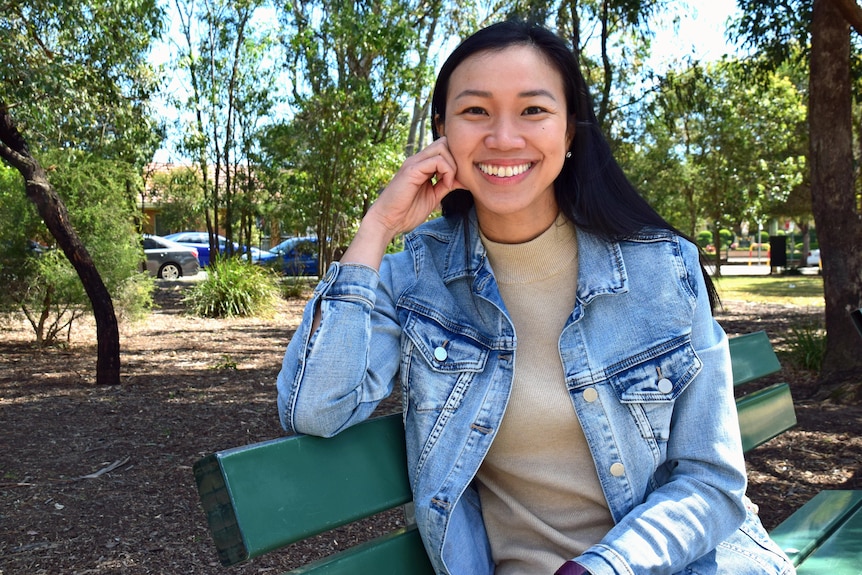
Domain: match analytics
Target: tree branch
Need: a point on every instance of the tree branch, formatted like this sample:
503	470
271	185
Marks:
13	148
851	11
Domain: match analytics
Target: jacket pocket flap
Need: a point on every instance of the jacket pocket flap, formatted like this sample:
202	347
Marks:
445	348
658	374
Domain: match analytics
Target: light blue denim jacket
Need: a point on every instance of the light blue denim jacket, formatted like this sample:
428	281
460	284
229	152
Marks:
646	366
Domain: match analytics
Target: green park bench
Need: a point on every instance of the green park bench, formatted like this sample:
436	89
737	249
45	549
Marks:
265	496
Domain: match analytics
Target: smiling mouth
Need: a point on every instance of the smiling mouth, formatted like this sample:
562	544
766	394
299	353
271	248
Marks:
504	171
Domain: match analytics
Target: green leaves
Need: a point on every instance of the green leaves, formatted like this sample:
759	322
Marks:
76	73
735	148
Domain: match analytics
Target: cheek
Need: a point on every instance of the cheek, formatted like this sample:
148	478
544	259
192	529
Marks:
460	147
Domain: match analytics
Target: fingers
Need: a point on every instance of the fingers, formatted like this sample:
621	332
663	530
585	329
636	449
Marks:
417	188
438	157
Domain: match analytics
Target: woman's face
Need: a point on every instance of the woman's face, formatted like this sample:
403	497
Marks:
508	129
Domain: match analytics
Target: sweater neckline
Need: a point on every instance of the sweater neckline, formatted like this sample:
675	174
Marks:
540	258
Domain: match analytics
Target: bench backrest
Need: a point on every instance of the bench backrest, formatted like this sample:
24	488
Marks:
264	496
261	497
767	412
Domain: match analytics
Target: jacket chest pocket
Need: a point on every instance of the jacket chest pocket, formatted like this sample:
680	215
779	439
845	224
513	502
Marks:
439	363
649	383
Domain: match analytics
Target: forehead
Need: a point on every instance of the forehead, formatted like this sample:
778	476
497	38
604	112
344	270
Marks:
517	68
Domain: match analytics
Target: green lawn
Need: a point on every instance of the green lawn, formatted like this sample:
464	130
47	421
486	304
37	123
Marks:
794	290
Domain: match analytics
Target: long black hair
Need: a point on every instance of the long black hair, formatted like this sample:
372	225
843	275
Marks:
591	189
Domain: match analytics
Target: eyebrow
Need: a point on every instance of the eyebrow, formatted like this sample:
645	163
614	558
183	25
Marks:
486	94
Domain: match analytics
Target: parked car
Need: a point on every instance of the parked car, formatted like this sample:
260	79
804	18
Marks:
169	260
813	258
201	242
298	256
262	257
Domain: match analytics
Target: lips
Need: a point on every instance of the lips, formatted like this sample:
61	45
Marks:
504	171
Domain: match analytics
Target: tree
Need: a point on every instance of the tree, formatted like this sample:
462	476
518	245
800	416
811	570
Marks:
833	193
776	29
231	95
717	148
38	280
352	75
75	76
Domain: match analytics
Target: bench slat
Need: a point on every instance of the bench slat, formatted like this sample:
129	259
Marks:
261	497
764	414
822	537
752	357
841	554
398	553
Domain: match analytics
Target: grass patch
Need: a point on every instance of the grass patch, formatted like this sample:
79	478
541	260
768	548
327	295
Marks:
791	290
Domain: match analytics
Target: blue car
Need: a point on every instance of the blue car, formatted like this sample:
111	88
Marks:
298	256
201	242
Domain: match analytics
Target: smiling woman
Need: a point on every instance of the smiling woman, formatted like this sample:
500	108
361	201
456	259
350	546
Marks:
509	140
567	393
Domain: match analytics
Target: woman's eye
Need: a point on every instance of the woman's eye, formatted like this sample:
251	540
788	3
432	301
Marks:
534	110
474	111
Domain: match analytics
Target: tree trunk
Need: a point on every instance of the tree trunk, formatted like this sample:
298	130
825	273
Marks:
832	192
53	211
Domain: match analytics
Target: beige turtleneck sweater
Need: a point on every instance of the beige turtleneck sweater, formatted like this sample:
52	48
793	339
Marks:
541	498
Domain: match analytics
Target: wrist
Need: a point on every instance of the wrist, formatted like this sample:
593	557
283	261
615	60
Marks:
368	245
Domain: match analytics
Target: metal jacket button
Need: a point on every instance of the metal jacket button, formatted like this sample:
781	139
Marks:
618	469
590	394
440	353
664	385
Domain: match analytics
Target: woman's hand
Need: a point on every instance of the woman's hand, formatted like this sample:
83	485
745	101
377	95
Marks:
416	190
413	193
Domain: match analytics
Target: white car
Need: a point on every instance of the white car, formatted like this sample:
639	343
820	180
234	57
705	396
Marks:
813	258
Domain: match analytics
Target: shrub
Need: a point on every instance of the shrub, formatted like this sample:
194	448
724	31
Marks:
704	238
233	287
808	346
726	238
293	287
42	285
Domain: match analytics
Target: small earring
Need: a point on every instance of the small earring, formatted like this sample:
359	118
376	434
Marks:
569	154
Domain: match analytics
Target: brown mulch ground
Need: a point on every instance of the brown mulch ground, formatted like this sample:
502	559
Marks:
98	480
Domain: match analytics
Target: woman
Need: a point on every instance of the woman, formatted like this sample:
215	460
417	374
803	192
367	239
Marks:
567	394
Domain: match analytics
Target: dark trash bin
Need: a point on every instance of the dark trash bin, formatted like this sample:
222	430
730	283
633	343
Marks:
778	251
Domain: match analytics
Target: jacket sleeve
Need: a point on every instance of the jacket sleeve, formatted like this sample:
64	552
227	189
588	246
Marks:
335	376
699	502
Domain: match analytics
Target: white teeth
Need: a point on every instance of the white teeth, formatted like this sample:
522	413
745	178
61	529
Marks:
504	171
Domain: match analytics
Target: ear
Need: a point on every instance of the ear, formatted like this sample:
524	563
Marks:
439	125
570	131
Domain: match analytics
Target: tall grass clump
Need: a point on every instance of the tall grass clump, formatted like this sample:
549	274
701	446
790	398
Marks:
295	287
808	346
233	288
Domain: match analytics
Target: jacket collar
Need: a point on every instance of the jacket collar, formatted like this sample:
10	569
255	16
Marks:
601	269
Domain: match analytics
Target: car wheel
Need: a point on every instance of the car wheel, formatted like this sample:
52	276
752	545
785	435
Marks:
170	271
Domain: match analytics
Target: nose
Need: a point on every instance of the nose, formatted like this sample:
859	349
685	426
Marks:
504	134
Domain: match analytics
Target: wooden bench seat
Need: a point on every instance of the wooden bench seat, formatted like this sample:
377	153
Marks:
262	497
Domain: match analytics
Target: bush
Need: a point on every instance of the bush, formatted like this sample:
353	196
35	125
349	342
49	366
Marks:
43	285
704	238
808	346
294	287
726	238
234	287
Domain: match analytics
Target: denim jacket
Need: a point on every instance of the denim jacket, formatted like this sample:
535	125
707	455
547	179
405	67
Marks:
646	366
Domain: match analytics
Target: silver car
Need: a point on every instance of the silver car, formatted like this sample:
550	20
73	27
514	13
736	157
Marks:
169	260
